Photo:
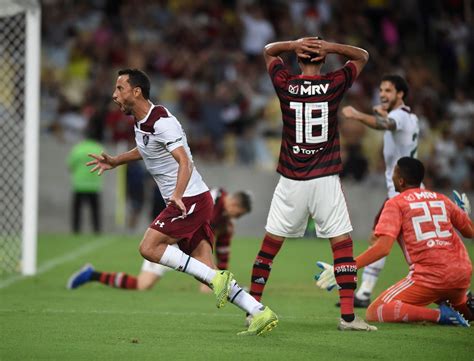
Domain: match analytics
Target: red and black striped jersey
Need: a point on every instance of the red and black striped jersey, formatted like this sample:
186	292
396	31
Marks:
218	215
310	139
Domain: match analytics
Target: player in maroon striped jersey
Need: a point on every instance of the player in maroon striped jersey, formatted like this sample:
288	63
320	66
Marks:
310	162
227	208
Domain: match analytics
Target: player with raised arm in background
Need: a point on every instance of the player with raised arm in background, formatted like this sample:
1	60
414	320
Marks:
401	130
310	162
424	223
161	143
227	208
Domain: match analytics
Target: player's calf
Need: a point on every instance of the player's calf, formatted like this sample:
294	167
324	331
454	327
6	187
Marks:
345	272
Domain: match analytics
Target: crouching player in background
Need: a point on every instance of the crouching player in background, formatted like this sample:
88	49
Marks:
424	222
227	208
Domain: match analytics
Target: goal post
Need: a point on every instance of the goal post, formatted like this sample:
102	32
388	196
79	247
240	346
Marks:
20	29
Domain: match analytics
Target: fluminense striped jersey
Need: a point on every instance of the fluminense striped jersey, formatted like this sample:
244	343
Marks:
310	138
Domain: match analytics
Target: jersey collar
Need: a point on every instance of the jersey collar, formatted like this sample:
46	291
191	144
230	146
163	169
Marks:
141	121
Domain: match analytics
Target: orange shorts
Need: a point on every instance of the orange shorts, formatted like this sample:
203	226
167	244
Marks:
407	291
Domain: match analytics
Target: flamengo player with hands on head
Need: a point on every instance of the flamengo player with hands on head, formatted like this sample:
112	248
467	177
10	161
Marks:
425	224
401	130
185	222
310	162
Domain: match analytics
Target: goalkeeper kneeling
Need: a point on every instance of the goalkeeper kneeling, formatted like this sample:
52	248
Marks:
424	224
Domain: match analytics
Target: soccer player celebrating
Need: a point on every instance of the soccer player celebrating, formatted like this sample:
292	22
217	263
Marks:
424	222
161	143
400	140
310	162
227	208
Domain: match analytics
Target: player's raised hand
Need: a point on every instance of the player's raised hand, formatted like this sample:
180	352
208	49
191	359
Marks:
462	201
349	112
304	46
378	109
178	203
326	279
322	48
101	162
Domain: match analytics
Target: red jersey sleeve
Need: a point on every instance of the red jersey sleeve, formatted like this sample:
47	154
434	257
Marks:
279	74
347	74
390	221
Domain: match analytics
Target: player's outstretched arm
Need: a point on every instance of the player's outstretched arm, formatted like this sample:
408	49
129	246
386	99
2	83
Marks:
380	249
379	120
105	162
301	47
358	56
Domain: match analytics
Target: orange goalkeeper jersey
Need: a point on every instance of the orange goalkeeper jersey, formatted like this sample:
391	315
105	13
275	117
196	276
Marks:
424	224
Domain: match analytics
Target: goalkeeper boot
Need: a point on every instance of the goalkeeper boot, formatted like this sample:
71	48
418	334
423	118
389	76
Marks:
449	316
261	323
80	277
470	302
220	285
357	324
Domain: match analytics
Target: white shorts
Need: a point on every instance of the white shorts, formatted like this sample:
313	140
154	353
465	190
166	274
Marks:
321	198
155	268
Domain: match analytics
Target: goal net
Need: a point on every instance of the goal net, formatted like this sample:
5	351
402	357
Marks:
19	124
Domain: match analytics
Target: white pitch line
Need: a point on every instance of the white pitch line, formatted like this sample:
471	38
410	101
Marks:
53	263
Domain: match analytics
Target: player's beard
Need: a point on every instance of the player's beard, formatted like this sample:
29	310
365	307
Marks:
127	111
126	108
388	107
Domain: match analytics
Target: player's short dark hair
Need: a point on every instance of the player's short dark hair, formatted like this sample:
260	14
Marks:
138	79
412	170
398	82
244	199
312	55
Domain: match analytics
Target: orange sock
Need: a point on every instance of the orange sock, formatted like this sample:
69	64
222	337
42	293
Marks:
397	311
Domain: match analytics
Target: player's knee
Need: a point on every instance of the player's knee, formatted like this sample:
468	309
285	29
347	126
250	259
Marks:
146	251
342	238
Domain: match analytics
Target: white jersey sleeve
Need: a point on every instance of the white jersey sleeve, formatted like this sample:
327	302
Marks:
170	134
401	142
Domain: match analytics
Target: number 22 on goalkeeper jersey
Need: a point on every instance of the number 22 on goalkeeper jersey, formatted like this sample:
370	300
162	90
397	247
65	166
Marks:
425	223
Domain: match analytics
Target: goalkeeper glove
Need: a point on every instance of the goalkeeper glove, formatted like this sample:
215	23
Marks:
462	201
326	279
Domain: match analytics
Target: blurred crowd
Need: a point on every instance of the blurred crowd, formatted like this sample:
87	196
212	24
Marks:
204	59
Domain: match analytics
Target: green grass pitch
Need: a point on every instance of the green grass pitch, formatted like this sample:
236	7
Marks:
41	320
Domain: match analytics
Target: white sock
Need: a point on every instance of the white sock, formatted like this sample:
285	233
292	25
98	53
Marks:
369	279
180	261
243	300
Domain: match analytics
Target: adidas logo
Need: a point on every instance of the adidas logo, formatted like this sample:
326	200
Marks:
260	280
